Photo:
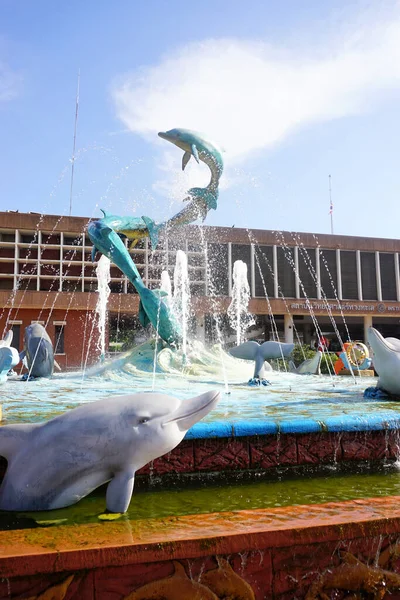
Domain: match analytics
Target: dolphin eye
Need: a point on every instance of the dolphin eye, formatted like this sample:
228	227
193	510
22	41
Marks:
143	420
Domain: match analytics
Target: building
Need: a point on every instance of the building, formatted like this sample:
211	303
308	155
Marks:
301	283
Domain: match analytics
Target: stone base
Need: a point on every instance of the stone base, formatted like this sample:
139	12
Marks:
297	552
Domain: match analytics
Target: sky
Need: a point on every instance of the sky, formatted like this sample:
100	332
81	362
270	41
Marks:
291	90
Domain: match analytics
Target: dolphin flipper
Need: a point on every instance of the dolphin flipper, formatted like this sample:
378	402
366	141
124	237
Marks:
292	367
185	159
94	252
119	491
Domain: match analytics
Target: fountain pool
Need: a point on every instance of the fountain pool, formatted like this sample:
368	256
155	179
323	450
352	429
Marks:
269	476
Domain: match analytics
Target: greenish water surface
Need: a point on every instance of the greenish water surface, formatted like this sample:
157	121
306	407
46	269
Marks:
330	487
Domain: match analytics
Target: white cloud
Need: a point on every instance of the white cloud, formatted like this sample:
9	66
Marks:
249	96
9	83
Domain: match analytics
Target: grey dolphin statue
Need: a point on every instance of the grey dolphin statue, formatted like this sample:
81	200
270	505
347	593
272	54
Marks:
260	353
386	361
55	464
38	351
311	366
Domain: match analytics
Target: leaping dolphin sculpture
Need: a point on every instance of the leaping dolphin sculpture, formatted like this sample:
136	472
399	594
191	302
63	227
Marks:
311	366
152	308
55	464
134	228
201	200
386	361
260	353
38	351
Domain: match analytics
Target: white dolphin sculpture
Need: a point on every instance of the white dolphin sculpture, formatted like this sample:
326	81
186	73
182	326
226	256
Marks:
55	464
6	342
311	366
386	361
260	353
9	357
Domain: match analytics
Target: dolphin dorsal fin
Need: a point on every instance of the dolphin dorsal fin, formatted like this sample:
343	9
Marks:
104	212
12	438
185	160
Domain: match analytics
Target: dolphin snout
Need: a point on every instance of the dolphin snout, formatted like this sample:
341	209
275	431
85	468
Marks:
163	135
194	409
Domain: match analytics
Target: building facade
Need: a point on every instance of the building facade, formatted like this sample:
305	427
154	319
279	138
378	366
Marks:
300	283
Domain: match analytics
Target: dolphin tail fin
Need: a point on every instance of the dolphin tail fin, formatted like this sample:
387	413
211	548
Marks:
154	231
8	338
13	436
246	351
208	196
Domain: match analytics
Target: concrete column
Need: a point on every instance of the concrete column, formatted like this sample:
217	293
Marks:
252	272
359	278
275	268
200	329
378	277
318	273
339	275
397	274
230	284
288	324
367	324
296	272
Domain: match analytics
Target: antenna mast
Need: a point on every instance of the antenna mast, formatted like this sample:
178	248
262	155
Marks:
74	146
330	204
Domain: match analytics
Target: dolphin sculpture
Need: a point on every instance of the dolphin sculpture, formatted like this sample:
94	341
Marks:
134	228
311	366
386	361
38	351
9	357
7	341
260	353
152	308
55	464
201	200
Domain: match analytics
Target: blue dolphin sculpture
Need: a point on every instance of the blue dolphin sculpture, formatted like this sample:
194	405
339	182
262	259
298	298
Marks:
201	200
152	308
134	228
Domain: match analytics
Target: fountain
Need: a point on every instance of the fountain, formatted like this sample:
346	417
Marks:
259	500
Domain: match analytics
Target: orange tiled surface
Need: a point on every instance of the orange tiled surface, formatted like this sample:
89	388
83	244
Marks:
66	548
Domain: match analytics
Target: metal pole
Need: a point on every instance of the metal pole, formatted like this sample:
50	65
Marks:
74	146
330	204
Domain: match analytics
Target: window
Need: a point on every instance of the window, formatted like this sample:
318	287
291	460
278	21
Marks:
368	276
59	339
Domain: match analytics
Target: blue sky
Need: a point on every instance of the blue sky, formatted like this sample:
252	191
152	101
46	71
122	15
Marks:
292	90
